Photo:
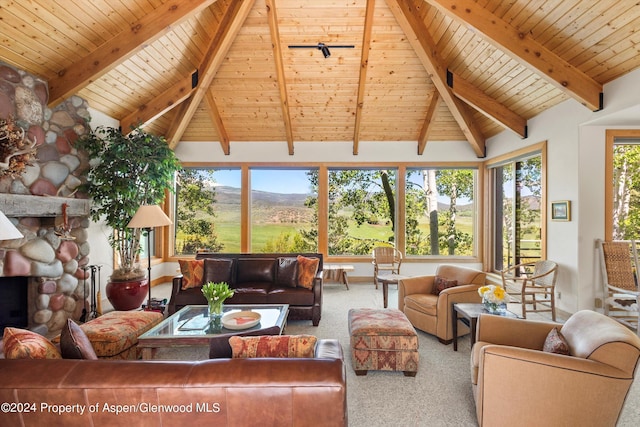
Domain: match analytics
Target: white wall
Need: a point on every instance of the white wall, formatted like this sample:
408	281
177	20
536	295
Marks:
576	165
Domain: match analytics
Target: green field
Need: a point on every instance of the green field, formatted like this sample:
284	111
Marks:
272	218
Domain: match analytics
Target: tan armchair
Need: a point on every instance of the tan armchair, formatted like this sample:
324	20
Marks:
516	383
432	313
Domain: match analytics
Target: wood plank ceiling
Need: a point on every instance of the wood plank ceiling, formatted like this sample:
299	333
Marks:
434	70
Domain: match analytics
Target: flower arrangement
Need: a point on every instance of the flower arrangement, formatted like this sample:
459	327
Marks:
493	298
216	294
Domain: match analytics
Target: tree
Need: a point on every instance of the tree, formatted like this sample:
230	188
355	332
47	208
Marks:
127	171
626	194
455	183
196	199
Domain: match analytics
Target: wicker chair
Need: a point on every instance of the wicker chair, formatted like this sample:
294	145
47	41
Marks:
535	283
619	267
385	258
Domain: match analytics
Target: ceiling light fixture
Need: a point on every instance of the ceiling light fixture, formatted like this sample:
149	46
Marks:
322	47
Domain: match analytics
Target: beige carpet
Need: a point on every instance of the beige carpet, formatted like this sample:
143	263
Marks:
439	395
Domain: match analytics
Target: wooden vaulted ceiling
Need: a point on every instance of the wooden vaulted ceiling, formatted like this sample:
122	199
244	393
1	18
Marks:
434	70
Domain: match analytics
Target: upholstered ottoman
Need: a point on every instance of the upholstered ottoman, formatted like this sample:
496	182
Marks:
114	335
382	339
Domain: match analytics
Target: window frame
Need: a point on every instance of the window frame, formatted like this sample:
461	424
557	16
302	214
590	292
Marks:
323	176
610	141
489	166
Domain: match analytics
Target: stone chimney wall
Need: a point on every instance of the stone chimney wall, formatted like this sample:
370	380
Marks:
51	254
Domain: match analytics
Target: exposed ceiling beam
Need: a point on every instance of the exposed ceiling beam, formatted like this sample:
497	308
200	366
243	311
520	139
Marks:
126	43
231	22
217	122
428	122
282	81
408	16
486	104
160	104
559	72
364	65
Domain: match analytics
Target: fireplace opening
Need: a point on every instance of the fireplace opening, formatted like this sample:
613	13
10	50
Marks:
14	305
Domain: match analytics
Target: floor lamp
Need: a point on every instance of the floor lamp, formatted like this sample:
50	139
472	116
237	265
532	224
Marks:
147	218
8	231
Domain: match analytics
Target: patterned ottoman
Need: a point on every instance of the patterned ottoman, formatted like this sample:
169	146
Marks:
114	335
382	339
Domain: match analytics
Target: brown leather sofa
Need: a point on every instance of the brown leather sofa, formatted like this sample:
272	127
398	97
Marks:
256	279
516	383
222	392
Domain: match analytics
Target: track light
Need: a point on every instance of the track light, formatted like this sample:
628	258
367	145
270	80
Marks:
325	50
322	47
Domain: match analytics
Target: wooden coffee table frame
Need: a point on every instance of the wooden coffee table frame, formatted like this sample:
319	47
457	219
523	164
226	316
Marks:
151	340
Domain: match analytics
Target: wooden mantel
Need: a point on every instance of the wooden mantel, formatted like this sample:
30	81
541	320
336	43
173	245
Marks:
23	206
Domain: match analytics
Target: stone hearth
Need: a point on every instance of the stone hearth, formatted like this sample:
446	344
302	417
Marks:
55	246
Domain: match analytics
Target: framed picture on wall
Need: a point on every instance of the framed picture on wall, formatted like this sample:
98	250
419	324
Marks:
561	210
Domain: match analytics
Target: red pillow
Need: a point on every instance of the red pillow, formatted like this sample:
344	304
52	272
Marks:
192	273
441	283
307	269
25	344
273	346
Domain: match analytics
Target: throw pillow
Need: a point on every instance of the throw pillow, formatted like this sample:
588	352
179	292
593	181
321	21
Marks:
273	346
24	344
217	270
307	269
192	273
441	283
287	272
556	343
74	343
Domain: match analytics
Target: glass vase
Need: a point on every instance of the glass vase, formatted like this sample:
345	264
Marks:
494	307
215	315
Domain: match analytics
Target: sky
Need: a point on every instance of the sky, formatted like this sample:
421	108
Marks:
289	181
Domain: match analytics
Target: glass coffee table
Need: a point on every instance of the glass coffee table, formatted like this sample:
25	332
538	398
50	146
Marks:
190	326
468	313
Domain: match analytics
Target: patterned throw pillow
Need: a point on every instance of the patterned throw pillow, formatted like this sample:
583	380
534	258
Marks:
24	344
192	273
440	284
273	346
555	343
307	269
74	343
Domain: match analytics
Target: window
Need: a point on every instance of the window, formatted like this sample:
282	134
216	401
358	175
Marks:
362	210
207	211
341	211
440	211
283	210
517	207
623	172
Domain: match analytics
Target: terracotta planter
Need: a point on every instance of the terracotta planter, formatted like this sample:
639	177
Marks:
127	295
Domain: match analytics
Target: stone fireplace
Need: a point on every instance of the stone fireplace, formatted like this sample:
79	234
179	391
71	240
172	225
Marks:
44	203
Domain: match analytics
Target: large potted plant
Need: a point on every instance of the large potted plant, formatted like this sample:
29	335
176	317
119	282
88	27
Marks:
126	171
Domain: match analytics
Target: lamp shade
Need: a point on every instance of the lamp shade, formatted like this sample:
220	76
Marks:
8	231
149	216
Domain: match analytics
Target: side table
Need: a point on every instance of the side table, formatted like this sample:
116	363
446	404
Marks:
385	279
468	313
337	272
